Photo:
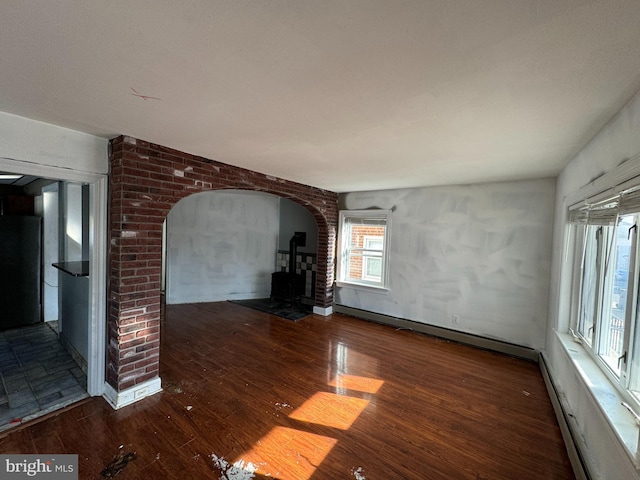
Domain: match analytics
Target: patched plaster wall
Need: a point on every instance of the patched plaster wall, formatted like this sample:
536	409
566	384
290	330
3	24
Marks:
221	246
482	252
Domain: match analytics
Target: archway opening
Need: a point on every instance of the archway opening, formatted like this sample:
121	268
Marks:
146	181
227	245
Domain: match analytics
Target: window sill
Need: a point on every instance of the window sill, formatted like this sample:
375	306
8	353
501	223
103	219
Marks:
606	396
359	286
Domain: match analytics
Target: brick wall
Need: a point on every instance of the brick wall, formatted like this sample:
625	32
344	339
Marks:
146	180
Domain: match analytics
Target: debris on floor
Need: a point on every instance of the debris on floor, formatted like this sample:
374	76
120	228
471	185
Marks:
171	387
119	462
238	471
358	473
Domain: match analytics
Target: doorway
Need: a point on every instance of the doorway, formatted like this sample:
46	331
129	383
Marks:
58	359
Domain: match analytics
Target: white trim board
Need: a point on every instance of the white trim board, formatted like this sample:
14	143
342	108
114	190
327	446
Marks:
130	395
98	199
325	312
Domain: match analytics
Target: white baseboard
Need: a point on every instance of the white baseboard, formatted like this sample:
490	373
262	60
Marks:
131	395
325	312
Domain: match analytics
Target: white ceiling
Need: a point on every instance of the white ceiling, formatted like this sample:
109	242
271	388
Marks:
344	95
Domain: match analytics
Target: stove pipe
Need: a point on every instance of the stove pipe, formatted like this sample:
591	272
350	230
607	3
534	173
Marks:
299	239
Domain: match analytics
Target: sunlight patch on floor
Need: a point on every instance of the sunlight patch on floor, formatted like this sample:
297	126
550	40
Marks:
291	454
345	381
330	410
287	454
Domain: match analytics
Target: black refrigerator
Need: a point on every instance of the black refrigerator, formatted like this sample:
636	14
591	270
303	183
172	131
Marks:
20	267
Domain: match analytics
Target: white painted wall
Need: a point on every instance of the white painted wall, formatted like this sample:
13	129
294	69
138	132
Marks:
481	251
50	250
295	218
614	144
44	144
74	291
221	245
73	222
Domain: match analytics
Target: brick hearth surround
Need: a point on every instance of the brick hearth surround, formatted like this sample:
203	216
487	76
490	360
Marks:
146	180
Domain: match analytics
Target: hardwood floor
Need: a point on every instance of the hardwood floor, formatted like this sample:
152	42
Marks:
321	398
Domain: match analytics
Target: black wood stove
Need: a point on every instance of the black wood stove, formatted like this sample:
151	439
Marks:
290	286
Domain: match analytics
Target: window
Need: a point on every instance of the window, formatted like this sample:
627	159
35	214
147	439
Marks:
372	263
606	283
363	247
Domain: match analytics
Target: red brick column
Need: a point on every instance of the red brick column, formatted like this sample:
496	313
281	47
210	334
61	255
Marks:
146	180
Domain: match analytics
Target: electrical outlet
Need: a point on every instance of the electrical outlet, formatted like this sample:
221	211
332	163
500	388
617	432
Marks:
455	319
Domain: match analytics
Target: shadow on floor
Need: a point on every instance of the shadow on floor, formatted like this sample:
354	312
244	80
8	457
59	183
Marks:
37	375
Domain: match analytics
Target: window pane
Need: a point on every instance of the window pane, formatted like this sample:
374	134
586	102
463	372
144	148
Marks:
634	374
373	268
365	267
363	263
588	287
614	305
363	247
373	243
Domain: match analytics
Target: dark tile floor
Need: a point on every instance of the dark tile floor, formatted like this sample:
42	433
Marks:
37	375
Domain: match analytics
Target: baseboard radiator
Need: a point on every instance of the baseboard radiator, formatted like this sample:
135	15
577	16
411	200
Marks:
441	332
575	458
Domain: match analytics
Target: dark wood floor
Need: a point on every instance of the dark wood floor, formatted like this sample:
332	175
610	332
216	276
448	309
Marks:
322	398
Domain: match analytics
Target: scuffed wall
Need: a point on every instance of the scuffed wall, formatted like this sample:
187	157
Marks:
221	246
482	252
616	143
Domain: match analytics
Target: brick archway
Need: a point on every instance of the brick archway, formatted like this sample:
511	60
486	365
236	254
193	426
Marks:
146	180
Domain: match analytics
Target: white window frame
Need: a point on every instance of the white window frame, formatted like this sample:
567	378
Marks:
605	398
627	376
348	218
